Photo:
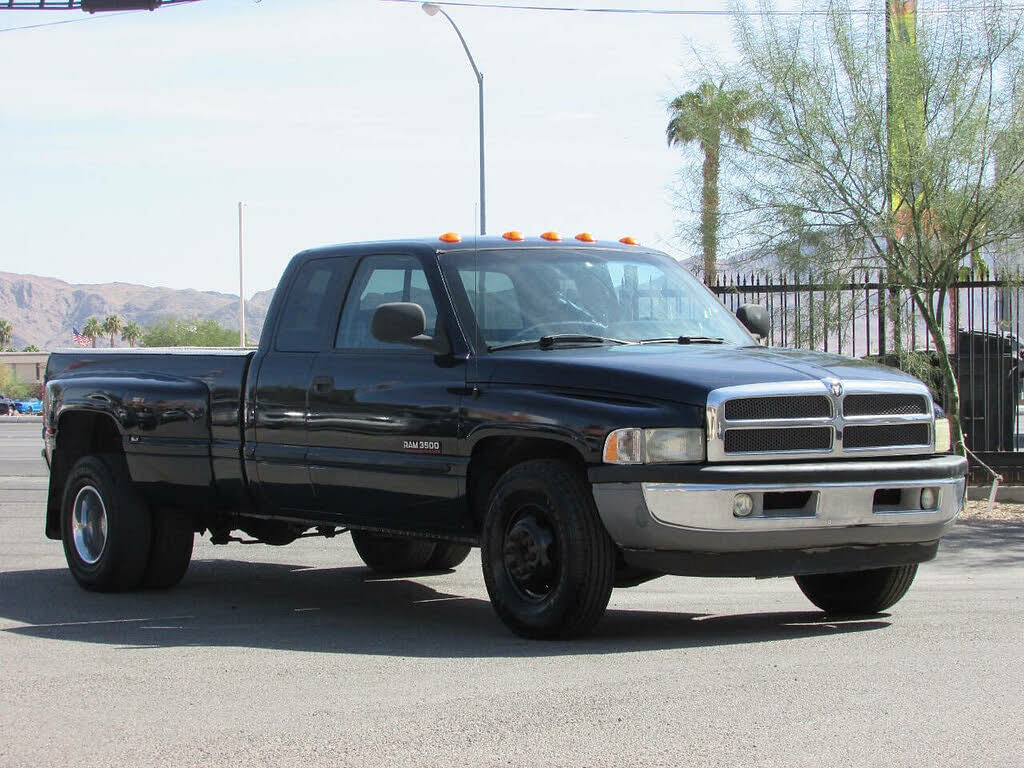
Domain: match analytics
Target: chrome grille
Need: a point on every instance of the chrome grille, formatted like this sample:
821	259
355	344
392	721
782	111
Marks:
818	419
886	435
883	405
765	408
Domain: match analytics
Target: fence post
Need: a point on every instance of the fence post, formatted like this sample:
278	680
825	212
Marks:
881	314
810	305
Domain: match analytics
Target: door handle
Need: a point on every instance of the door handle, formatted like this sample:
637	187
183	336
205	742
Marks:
323	384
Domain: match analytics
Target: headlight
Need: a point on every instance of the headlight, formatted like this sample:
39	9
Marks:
942	442
654	446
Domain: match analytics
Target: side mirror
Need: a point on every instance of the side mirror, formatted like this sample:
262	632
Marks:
403	322
755	318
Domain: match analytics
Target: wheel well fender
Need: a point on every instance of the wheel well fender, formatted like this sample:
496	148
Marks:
79	433
493	456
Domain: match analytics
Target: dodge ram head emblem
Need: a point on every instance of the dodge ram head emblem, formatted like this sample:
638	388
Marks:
836	388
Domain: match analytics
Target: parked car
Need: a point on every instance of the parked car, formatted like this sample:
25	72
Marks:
28	406
6	405
587	413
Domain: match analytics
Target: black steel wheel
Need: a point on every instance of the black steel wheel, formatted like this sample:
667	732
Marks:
105	525
547	560
858	593
392	554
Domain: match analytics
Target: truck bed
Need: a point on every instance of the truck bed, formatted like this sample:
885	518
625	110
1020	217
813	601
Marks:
176	404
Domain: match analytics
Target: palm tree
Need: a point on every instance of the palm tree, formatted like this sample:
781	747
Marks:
92	330
6	333
706	116
112	325
131	332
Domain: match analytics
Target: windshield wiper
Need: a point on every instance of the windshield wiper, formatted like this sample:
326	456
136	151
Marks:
546	342
685	340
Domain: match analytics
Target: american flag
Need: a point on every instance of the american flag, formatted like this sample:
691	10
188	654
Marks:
79	339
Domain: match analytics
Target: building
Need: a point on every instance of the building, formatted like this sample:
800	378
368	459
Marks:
26	366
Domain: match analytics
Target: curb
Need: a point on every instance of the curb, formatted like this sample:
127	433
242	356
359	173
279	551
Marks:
1013	494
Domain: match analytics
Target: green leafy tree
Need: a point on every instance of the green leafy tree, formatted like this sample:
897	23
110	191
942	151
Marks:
31	348
112	326
919	189
12	386
92	330
707	116
188	332
6	334
131	332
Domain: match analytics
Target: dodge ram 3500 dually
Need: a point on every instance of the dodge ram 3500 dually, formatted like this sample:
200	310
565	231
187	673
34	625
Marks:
587	413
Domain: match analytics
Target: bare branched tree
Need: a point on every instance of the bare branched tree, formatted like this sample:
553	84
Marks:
916	173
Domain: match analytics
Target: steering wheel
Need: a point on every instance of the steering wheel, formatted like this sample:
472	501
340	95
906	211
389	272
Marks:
563	326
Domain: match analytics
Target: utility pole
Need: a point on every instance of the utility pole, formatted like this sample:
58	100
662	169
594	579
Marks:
241	284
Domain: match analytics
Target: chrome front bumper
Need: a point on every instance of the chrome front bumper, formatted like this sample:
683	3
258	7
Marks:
796	505
827	505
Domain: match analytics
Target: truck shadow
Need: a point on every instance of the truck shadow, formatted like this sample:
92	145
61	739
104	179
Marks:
350	610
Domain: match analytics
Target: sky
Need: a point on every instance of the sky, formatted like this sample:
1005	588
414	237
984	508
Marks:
127	141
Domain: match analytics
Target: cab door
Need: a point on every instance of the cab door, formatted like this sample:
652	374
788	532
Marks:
279	441
384	446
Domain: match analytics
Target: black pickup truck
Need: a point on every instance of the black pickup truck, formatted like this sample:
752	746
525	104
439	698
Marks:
587	413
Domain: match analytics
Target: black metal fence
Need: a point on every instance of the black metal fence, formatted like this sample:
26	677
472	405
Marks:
864	316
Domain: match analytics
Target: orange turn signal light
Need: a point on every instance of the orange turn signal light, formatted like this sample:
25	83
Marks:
586	237
550	236
450	237
513	234
627	240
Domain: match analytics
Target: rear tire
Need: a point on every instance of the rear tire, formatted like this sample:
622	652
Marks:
858	593
392	554
447	555
548	562
105	525
171	550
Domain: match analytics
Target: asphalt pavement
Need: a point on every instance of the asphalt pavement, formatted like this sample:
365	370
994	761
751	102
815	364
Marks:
299	656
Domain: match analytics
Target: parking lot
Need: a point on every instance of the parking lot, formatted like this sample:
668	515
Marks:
300	656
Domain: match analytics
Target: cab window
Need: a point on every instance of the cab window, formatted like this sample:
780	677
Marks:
381	280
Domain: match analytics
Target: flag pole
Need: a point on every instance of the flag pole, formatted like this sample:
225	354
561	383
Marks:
241	284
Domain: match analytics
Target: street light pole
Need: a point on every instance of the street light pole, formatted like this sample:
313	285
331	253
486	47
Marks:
431	9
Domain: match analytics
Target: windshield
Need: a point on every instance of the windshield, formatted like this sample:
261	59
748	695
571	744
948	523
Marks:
509	296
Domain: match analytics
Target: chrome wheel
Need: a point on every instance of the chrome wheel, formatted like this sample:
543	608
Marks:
89	525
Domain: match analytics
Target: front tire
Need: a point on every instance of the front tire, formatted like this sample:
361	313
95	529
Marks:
105	525
392	554
548	562
858	593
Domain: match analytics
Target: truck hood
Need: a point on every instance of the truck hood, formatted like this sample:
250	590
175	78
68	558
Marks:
680	373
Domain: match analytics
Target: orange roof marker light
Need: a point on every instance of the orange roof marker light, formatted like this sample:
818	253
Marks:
450	237
628	240
513	234
586	237
550	236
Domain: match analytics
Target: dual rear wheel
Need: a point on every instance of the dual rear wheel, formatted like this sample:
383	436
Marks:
394	554
112	540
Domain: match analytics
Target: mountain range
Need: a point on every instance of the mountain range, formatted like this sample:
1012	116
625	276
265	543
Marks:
44	310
